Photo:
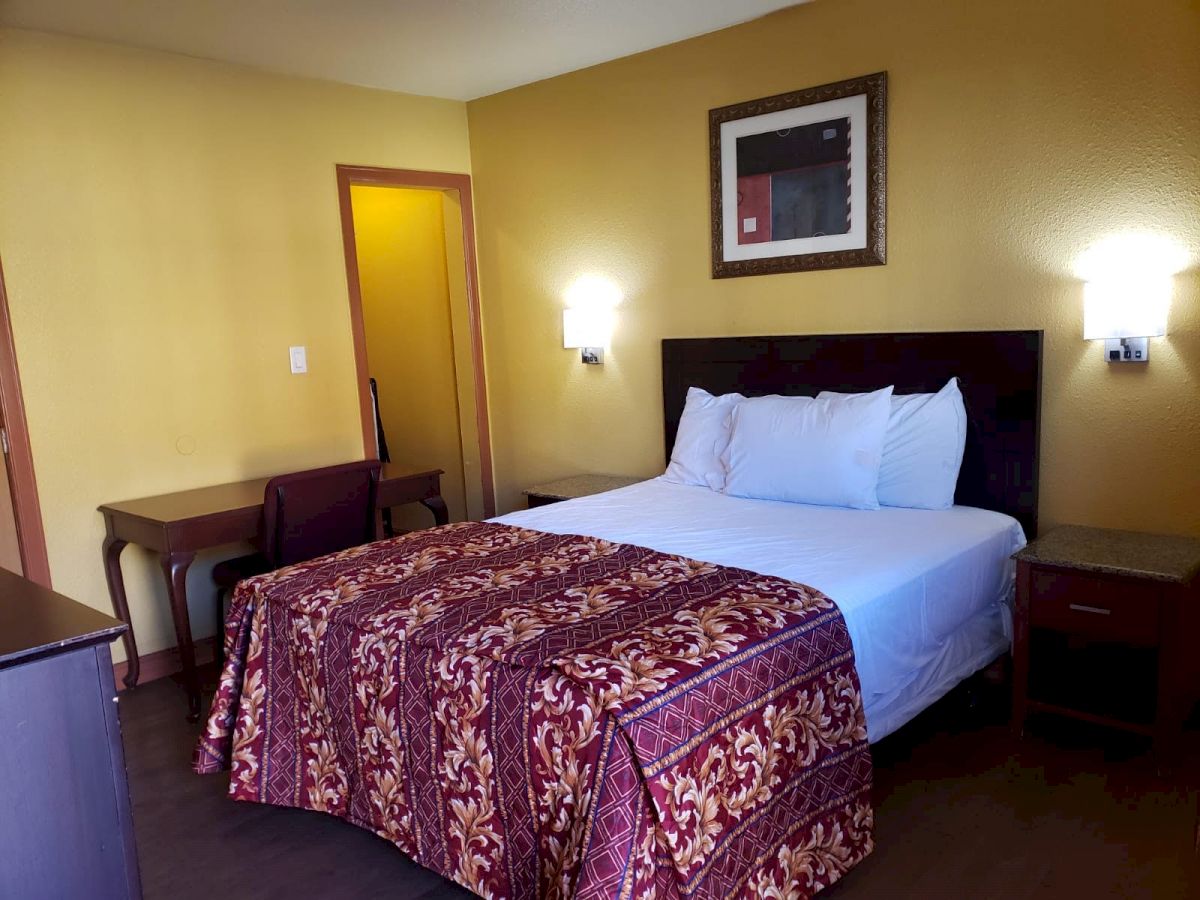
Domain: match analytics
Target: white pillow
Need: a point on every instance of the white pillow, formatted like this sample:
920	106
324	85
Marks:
808	450
923	448
702	437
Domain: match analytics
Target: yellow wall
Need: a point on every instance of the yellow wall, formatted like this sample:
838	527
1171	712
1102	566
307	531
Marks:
1020	133
400	237
168	228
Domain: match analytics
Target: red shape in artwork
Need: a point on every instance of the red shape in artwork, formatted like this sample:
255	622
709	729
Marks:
754	209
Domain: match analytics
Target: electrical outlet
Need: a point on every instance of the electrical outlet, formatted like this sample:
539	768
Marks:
1135	350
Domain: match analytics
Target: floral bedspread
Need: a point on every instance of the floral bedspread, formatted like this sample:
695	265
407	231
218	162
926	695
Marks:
538	715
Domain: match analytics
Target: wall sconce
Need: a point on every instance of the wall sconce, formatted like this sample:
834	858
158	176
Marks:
1127	292
589	330
1125	313
589	316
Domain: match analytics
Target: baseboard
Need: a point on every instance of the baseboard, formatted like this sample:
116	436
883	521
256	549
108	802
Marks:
164	663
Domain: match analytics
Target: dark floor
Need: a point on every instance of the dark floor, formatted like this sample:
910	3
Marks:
963	811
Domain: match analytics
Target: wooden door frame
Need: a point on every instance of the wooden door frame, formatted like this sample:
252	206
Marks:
443	181
27	511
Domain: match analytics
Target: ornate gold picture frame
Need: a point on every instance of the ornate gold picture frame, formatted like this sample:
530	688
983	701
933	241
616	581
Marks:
799	180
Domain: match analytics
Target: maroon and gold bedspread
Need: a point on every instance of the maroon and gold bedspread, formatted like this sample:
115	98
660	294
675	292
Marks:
538	715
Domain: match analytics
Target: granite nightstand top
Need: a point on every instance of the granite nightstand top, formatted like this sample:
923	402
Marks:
580	486
1160	557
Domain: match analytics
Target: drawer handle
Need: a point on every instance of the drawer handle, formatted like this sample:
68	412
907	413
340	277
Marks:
1095	610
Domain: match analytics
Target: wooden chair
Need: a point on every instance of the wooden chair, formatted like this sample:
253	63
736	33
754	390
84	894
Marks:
305	515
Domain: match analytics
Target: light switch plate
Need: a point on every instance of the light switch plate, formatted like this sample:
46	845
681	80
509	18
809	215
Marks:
299	360
1135	350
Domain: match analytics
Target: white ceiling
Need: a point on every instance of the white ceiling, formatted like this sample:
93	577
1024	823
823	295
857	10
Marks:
444	48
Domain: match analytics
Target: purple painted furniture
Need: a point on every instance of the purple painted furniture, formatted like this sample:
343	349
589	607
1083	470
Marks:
65	823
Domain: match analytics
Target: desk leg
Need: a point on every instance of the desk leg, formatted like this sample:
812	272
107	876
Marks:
116	592
437	506
175	566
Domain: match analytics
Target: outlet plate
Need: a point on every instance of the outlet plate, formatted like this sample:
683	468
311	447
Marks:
1127	350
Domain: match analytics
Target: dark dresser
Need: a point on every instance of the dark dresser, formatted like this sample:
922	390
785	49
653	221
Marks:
65	824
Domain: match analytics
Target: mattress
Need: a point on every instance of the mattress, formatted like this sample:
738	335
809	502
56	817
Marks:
925	593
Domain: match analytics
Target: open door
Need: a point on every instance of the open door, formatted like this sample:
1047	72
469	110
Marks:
410	269
22	540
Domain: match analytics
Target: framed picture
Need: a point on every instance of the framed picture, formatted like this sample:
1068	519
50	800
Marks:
799	180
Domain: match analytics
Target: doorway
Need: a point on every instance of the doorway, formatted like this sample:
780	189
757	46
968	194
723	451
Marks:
408	238
22	539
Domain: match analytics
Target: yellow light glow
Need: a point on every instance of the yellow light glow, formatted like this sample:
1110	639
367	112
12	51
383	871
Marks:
1131	254
593	292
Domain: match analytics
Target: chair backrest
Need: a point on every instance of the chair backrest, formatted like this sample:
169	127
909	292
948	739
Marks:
308	514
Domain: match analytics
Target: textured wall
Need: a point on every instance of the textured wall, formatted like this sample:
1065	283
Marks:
1020	134
168	228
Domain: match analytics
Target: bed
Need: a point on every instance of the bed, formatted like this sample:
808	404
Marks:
933	604
925	593
649	693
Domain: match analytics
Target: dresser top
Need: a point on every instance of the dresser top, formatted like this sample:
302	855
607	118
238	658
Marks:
1160	557
580	486
37	622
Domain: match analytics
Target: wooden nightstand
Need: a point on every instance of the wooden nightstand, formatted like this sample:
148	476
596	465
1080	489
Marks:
1118	589
576	486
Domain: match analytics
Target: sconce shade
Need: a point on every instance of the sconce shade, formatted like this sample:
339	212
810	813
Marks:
1126	308
587	327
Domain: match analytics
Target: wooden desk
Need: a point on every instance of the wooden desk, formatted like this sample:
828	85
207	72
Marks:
66	829
177	526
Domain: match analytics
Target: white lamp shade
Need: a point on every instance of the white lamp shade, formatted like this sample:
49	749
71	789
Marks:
587	327
1126	307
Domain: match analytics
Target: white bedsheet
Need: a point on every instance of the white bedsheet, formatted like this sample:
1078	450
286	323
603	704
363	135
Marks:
925	593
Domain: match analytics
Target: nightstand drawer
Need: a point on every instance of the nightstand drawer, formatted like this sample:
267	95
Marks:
1098	608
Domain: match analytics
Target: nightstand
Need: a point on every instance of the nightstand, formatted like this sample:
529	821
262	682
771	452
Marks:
575	487
1120	590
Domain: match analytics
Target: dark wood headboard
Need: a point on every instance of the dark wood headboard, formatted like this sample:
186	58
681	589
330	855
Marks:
1000	374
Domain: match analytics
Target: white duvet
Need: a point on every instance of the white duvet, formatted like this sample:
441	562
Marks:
925	593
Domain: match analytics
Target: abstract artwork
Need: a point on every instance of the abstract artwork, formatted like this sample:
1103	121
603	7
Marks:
799	180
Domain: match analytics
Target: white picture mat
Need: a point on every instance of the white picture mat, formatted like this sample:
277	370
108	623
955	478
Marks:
853	108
